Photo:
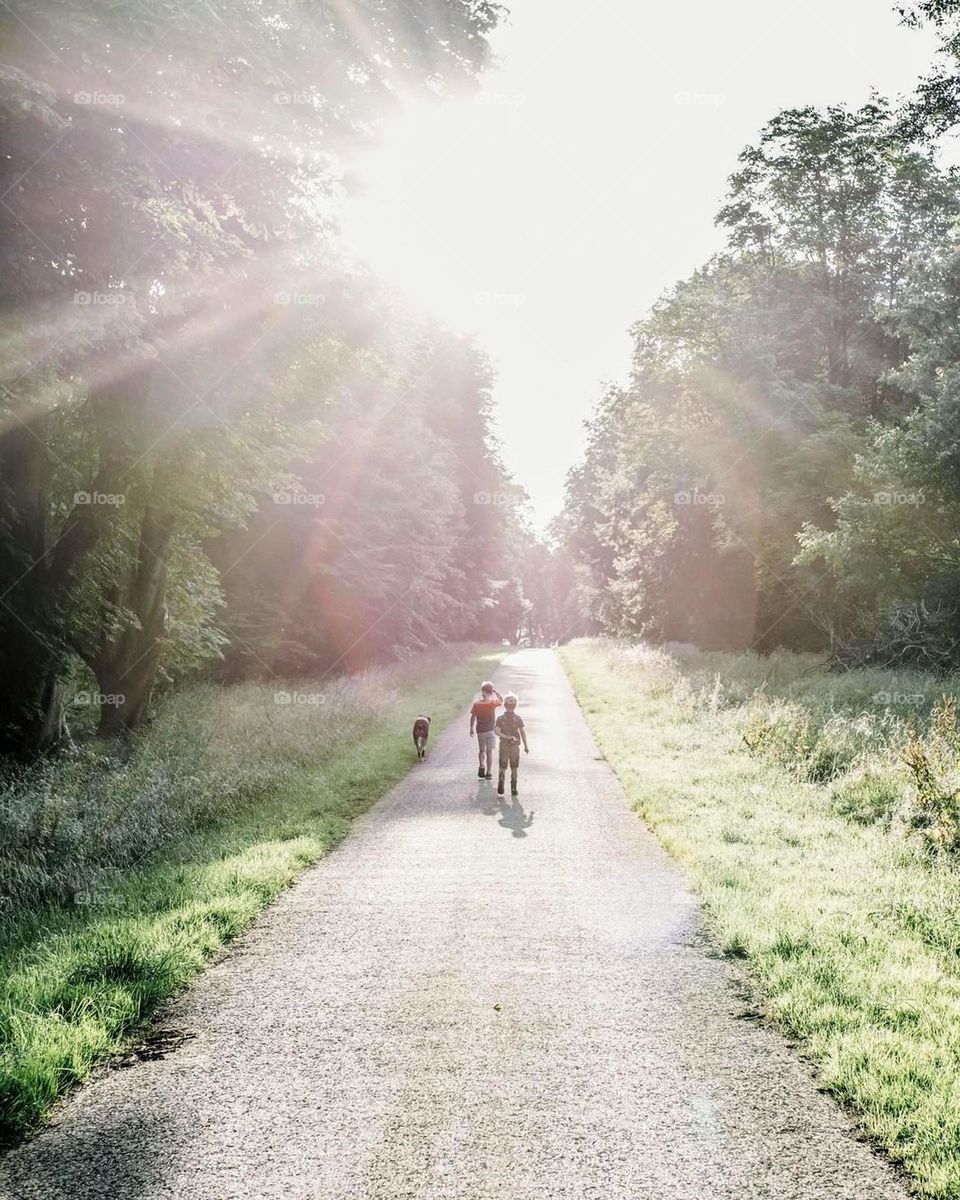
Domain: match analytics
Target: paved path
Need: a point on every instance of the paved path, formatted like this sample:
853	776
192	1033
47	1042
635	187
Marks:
468	1000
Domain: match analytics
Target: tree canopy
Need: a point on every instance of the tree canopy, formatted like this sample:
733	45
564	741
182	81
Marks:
183	344
767	476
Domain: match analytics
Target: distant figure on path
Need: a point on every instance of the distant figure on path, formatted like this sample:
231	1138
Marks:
511	732
482	717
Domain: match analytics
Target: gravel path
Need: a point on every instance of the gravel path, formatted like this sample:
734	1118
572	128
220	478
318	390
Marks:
468	1000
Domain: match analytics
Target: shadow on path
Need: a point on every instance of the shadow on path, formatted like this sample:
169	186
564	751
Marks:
513	817
96	1162
486	798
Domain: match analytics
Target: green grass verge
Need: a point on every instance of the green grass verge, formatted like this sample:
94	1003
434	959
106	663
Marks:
851	936
79	977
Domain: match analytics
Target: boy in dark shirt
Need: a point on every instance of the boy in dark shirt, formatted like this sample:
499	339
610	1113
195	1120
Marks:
511	732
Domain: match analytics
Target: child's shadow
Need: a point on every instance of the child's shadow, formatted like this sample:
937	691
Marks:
513	817
486	799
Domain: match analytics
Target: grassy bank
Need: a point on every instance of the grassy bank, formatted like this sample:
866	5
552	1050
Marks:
123	874
809	811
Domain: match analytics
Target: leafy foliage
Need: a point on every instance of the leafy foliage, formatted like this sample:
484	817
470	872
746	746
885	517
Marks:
180	337
761	480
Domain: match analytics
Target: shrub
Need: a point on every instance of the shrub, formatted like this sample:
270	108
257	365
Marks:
933	814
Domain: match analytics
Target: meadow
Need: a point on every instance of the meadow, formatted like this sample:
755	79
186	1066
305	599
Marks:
815	814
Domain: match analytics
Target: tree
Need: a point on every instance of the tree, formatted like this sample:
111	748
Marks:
396	535
166	183
894	544
755	384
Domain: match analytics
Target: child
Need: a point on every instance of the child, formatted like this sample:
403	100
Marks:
482	715
511	732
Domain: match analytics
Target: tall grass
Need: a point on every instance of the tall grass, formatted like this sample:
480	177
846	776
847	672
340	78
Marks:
123	872
884	741
68	825
812	813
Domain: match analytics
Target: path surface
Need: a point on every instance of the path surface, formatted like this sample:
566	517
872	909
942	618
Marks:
351	1045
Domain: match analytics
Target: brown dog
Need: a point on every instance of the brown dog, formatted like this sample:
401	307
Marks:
421	731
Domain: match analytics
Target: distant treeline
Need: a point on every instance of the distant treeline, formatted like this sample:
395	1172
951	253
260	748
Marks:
783	467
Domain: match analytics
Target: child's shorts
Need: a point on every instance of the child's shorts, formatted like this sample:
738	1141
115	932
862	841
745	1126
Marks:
509	755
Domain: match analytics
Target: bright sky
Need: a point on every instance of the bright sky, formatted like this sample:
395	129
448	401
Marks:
547	213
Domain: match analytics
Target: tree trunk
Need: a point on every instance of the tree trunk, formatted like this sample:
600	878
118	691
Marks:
126	669
37	569
31	709
30	714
